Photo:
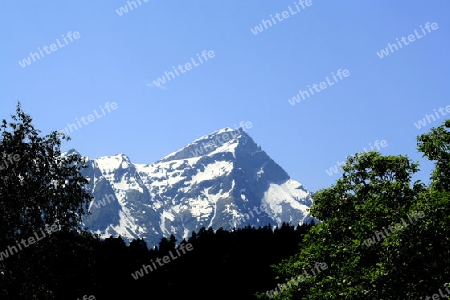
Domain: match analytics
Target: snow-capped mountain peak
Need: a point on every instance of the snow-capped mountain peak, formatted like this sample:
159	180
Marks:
218	180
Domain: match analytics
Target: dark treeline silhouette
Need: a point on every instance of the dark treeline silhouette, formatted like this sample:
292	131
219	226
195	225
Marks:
221	264
45	253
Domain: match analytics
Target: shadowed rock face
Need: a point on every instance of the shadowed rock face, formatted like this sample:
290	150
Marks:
213	181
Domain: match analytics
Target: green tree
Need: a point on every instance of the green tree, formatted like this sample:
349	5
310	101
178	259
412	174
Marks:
435	145
39	187
42	186
376	192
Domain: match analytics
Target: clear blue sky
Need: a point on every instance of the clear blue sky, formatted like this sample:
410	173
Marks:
250	78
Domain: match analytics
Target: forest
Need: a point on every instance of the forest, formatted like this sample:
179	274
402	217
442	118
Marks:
381	235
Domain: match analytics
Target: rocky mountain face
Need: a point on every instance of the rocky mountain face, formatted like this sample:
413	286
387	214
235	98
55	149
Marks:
223	179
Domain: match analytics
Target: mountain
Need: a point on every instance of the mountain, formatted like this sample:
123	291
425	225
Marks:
223	179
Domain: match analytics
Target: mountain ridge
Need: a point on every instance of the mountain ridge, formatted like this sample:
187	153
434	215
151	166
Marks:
216	186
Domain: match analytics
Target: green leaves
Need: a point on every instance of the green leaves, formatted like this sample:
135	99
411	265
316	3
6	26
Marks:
376	192
435	145
42	187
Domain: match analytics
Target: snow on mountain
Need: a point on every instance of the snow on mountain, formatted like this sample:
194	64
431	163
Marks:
217	180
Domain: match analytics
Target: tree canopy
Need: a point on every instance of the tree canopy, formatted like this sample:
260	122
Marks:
41	192
382	236
40	187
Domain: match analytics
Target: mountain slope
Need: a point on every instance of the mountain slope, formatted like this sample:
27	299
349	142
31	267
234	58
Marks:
223	179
